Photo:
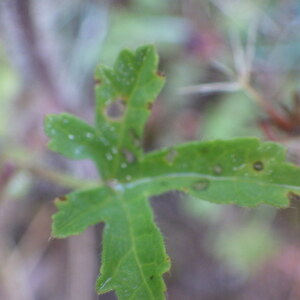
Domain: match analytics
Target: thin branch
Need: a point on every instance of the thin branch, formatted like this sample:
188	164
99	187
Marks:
223	68
216	87
250	47
55	176
239	55
59	178
264	104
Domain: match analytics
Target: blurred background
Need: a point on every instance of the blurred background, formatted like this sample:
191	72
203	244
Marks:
233	69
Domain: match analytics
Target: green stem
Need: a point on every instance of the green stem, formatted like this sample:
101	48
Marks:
22	161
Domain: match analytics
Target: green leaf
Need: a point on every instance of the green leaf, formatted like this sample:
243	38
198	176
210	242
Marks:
81	209
133	256
243	171
218	122
124	99
74	139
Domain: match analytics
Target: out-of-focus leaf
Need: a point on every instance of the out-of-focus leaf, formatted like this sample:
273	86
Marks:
245	249
234	116
167	31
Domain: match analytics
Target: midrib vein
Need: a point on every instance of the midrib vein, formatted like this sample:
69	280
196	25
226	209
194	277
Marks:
123	125
133	247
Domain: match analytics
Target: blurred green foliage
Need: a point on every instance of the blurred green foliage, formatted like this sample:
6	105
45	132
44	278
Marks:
8	89
245	249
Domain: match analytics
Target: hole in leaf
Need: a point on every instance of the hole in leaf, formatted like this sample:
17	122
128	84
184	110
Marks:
129	156
217	169
171	155
258	166
115	110
200	185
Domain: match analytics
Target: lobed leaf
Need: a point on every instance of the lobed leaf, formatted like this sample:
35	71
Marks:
81	209
124	98
75	139
243	171
133	256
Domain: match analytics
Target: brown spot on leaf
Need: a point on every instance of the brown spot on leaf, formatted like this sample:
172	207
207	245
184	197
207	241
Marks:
258	166
294	200
293	197
62	198
204	150
149	106
98	81
161	74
